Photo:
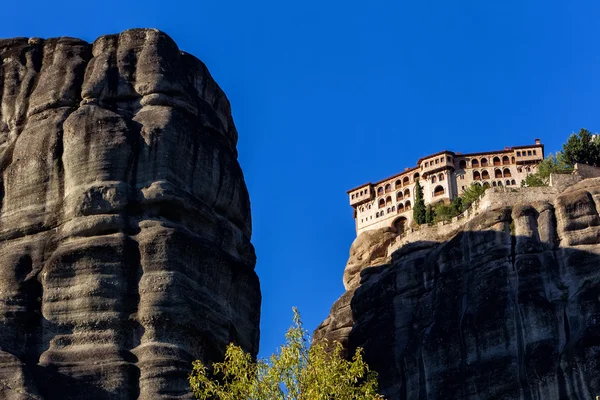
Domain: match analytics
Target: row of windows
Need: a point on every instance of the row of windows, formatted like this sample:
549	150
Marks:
499	183
529	153
398	184
483	162
434	179
497	174
437	161
359	194
399	208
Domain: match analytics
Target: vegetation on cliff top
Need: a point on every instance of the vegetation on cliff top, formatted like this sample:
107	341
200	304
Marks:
297	372
581	147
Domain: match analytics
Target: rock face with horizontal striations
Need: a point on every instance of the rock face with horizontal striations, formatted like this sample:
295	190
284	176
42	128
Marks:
125	221
506	308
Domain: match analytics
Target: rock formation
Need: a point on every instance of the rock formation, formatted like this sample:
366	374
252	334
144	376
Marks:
124	222
506	307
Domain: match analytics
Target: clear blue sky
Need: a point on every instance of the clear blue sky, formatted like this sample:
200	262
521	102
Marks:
327	95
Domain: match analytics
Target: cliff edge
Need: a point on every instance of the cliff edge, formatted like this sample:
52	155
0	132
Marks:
124	220
504	304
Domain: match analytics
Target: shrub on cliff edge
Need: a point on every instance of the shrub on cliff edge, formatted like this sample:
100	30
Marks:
296	372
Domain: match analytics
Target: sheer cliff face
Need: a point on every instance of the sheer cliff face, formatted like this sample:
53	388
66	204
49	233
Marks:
509	308
125	221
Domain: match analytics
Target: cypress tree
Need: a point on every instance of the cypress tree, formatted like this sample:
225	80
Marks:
429	214
419	209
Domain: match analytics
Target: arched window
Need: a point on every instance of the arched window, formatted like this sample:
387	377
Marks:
407	205
441	177
438	191
499	183
496	161
398	184
507	182
400	208
388	200
379	191
377	214
513	182
407	193
484	162
405	181
507	173
433	178
462	164
399	196
493	183
416	176
381	203
388	188
485	174
476	176
486	184
497	173
512	160
368	206
389	209
505	160
474	163
477	183
393	208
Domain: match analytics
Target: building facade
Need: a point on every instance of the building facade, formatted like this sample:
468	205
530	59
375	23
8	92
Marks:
443	176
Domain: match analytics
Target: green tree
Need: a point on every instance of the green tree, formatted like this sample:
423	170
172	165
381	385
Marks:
429	214
419	212
582	147
471	194
553	164
295	372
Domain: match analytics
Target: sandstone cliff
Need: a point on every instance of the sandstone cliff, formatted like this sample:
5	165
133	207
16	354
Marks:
506	306
124	220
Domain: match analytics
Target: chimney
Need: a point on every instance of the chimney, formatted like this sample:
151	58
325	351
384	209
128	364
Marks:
406	169
537	141
506	148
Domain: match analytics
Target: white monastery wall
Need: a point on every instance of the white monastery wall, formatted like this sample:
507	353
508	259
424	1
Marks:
443	176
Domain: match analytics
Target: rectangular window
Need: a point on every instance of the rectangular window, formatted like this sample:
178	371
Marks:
437	161
534	152
426	164
518	154
528	152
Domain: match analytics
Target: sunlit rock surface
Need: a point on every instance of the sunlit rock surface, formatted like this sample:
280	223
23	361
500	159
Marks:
507	308
125	221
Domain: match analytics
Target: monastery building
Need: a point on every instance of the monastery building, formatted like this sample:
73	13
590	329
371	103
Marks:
443	176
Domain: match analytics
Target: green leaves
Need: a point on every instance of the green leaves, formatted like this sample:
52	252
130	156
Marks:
295	372
550	165
419	212
582	147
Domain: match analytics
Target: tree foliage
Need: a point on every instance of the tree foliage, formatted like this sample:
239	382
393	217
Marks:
582	147
295	372
471	194
553	164
429	215
419	212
